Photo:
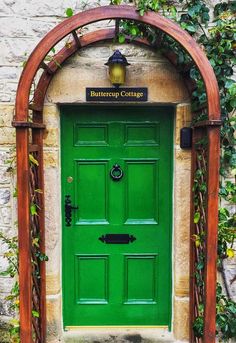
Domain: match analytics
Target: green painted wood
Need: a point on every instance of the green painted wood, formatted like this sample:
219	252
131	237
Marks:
117	284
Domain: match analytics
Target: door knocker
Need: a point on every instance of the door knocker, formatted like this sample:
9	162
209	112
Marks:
116	172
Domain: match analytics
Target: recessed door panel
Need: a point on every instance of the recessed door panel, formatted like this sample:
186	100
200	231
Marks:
142	134
91	270
117	183
90	134
91	185
141	196
140	279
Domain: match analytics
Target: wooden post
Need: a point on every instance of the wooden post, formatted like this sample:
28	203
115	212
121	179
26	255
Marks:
211	234
25	282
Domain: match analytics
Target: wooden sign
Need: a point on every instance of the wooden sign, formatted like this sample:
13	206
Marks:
117	94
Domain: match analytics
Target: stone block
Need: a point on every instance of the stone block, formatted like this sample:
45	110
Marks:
53	209
4	306
6	115
92	53
54	316
182	285
51	137
4	176
181	213
10	73
3	261
19	27
10	230
5	97
32	9
181	319
7	136
53	284
6	284
5	215
51	159
4	156
5	196
134	52
51	116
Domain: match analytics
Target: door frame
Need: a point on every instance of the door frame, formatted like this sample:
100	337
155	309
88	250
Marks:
172	109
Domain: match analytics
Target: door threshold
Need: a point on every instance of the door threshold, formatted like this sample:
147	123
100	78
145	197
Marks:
117	334
77	328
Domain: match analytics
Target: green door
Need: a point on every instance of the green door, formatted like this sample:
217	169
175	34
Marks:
117	168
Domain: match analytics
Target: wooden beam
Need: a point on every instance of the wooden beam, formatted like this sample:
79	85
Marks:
76	39
24	237
46	68
213	166
205	123
28	124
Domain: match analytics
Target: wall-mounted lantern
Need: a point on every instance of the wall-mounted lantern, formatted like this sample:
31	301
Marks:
117	68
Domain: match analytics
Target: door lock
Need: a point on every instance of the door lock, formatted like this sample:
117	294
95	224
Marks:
68	210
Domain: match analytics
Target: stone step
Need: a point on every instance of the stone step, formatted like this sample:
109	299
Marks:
121	335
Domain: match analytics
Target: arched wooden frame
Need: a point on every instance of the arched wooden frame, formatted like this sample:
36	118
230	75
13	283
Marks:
33	330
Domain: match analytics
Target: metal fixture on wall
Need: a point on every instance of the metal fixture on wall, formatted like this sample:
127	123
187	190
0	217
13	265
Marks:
186	138
117	68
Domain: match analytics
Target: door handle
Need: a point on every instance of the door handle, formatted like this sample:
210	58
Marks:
68	210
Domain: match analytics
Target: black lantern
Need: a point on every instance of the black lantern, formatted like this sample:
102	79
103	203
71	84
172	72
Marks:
117	68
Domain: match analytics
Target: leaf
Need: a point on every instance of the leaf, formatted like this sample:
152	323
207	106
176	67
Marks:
191	28
197	240
35	242
230	252
15	193
69	12
33	210
196	217
134	31
14	322
33	160
38	190
121	38
35	314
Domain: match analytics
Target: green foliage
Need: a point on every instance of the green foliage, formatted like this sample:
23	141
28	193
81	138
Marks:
226	232
198	326
11	254
225	316
69	12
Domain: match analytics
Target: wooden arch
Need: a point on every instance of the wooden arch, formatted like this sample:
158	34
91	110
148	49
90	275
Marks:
29	140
